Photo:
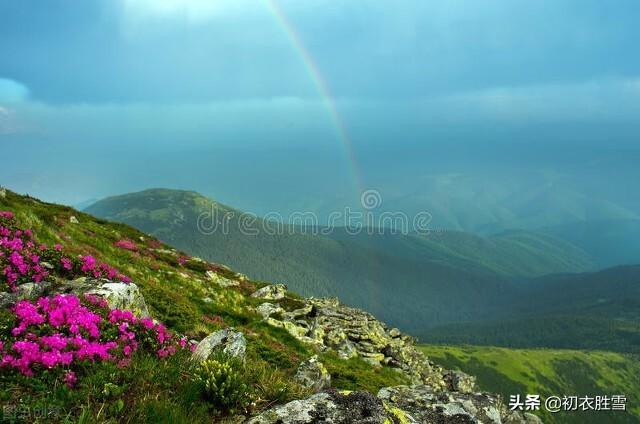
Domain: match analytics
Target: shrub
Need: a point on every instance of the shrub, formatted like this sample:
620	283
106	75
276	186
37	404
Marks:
58	333
223	384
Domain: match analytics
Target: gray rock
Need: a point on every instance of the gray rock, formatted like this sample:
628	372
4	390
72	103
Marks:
227	341
458	381
267	309
26	291
312	374
429	406
516	417
117	294
329	407
271	292
122	296
3	192
73	220
221	281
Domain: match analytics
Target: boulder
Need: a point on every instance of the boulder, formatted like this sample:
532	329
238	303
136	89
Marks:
268	309
26	291
312	374
73	220
329	407
429	406
271	292
117	294
457	381
221	281
3	193
227	341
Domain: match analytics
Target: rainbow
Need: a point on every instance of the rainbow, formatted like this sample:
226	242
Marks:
322	88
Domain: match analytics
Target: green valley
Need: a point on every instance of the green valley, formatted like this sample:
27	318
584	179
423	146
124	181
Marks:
549	372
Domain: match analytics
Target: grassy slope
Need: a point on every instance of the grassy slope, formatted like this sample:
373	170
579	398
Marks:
549	372
174	294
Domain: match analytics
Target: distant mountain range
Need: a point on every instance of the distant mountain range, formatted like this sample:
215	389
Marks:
406	279
596	310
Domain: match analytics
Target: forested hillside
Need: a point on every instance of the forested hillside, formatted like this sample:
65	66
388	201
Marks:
405	279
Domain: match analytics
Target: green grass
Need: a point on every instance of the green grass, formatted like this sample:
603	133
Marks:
549	372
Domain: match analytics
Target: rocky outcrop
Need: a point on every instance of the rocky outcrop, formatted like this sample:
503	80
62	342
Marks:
435	396
425	405
329	407
313	375
271	292
228	342
329	325
220	280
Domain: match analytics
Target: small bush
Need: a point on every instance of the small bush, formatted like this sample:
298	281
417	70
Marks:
223	384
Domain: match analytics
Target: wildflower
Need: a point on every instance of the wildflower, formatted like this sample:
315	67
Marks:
70	379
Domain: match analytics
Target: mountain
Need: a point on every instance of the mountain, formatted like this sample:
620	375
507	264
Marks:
550	372
404	279
598	310
609	242
100	322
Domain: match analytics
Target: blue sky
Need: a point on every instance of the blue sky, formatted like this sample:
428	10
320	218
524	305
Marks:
103	97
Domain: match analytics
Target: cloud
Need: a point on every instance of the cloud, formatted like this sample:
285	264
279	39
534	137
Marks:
193	11
597	100
12	91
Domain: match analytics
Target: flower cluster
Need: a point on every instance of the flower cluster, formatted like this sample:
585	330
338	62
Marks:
19	254
23	260
126	244
63	331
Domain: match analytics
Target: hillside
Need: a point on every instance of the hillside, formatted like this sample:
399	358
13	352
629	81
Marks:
609	242
598	310
82	338
547	373
437	279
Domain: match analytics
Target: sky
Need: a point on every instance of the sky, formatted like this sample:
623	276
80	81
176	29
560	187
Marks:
276	104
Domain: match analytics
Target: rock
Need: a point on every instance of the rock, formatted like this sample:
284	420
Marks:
457	381
516	417
312	374
329	407
3	193
267	309
350	332
221	281
428	406
271	292
117	294
26	291
207	300
122	296
46	265
73	220
293	329
227	341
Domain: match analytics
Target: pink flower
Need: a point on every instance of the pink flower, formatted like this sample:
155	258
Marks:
66	263
70	379
126	244
88	263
